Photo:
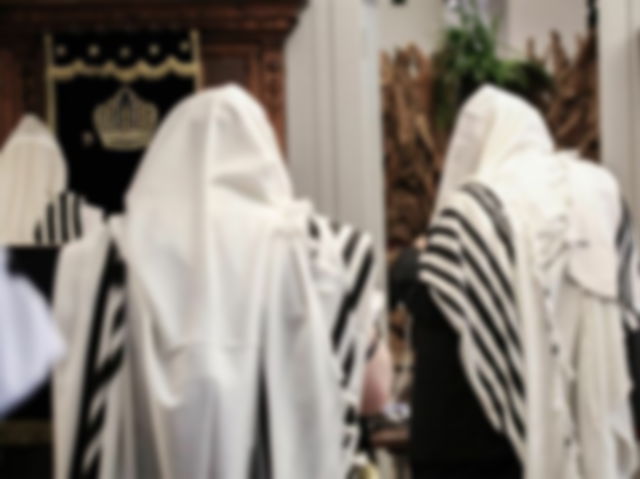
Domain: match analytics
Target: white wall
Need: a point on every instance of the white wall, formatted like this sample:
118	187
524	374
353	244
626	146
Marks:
333	112
418	21
536	18
620	95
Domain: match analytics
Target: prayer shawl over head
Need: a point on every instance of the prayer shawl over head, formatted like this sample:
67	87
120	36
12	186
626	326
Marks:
32	173
525	259
228	323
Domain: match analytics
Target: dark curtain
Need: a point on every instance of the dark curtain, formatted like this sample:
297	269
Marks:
107	94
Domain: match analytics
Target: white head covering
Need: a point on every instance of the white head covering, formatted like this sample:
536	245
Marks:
224	312
32	173
492	127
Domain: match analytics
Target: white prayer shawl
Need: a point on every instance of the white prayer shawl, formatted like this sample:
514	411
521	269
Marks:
229	346
577	417
29	341
32	173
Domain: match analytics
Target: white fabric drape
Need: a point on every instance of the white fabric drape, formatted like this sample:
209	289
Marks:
229	312
211	226
32	173
29	341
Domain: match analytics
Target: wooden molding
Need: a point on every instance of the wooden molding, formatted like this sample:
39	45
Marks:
234	18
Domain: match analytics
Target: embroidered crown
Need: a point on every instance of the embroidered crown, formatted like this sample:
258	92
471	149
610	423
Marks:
125	122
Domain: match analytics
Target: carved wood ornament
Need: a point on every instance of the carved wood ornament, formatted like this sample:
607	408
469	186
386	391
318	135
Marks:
242	41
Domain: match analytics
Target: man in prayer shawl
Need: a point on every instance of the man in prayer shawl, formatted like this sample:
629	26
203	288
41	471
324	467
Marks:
522	309
219	328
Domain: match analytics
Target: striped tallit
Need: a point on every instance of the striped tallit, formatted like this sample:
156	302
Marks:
349	316
32	173
104	358
88	385
66	218
468	268
353	314
239	333
522	262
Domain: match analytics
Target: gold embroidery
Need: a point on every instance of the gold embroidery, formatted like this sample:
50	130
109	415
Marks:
61	50
185	47
129	74
125	52
154	49
94	50
125	122
139	70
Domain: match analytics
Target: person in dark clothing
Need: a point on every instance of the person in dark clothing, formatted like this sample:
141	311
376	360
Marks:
450	436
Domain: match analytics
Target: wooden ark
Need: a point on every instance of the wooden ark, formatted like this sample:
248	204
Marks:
241	41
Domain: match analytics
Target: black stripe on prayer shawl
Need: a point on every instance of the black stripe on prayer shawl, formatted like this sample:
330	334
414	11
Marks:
497	300
77	223
65	234
449	306
261	466
349	249
486	251
624	225
51	223
357	256
505	378
352	299
468	269
314	230
39	235
62	221
466	256
99	374
347	365
491	205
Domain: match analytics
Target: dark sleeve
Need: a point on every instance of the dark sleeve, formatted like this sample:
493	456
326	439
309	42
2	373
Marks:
403	278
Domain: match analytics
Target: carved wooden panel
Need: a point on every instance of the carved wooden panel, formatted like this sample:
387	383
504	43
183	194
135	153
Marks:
241	41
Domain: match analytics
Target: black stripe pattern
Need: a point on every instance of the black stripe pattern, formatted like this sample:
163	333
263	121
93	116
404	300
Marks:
358	260
103	362
62	221
468	268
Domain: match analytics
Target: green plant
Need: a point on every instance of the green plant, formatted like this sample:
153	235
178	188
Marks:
469	59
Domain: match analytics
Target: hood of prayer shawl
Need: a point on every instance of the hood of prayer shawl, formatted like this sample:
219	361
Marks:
491	128
217	259
571	206
214	161
32	172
